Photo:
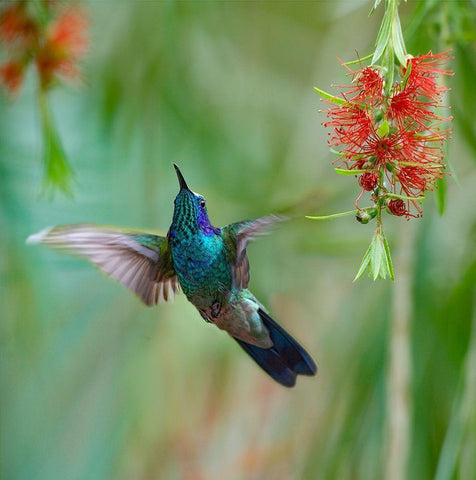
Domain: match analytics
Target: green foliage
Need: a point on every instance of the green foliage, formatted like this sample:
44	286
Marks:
390	37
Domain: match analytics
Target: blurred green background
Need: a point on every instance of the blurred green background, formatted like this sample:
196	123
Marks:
94	385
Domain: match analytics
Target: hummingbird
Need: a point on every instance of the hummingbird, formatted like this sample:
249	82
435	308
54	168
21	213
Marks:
209	264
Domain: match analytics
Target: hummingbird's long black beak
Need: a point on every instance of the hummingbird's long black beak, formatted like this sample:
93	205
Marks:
182	182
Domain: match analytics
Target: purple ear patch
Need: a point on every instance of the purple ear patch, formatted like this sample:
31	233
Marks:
205	226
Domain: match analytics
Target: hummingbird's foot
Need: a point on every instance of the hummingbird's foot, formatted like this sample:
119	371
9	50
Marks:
216	309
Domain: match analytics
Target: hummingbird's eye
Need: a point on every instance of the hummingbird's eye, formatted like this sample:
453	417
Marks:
201	202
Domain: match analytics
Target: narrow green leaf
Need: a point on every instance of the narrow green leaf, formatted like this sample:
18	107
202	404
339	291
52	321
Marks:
403	197
388	60
440	195
344	171
360	60
377	254
335	215
397	39
364	264
407	72
328	96
383	35
376	4
388	257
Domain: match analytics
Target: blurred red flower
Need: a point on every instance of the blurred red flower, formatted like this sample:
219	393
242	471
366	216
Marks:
65	43
16	25
11	75
55	47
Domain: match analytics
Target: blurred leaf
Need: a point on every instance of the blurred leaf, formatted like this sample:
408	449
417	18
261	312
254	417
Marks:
376	4
58	172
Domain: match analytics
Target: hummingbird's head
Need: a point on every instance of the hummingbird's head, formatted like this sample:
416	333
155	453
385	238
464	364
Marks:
190	212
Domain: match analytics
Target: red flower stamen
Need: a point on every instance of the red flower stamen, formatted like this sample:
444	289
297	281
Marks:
368	88
425	69
405	109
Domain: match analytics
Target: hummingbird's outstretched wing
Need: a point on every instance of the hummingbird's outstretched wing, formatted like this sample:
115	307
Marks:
140	261
236	237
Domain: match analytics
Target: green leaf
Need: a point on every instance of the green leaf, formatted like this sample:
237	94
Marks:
328	96
344	171
440	195
377	259
359	60
403	197
364	264
388	257
383	35
383	130
376	4
335	215
397	39
58	171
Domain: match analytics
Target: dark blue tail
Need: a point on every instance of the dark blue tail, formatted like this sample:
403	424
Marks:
285	359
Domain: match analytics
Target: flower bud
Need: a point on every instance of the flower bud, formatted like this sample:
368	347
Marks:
368	181
397	207
364	216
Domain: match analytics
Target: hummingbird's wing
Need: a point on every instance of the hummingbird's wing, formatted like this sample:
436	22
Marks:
140	261
236	237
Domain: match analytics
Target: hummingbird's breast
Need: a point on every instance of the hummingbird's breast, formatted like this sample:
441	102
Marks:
202	267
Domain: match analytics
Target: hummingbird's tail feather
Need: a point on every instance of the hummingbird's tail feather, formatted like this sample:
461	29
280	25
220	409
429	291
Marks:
285	359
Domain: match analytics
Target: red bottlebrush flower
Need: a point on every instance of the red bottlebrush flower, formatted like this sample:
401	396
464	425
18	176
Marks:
66	42
367	88
382	149
405	109
11	75
395	137
415	180
15	24
352	126
425	69
368	181
423	149
397	207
